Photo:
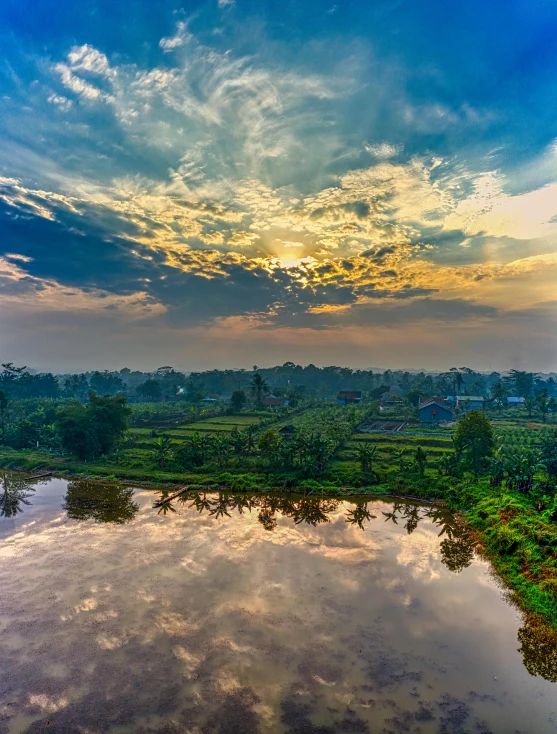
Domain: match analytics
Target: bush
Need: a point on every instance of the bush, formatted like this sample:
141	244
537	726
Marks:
506	539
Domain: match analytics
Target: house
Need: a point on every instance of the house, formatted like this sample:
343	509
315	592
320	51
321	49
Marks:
396	391
288	431
515	402
390	404
271	401
435	410
214	397
349	397
471	402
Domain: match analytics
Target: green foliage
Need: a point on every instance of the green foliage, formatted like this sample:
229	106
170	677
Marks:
93	429
548	454
238	400
420	460
258	388
162	450
268	443
106	383
475	440
150	390
87	500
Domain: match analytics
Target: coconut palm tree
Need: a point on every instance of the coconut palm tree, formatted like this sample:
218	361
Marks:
258	388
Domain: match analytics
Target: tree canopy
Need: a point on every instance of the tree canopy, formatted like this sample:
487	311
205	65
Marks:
475	440
93	429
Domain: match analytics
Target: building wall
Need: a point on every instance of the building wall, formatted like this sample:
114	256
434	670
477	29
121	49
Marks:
428	415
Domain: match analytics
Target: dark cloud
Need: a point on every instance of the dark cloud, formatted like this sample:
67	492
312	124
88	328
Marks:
427	312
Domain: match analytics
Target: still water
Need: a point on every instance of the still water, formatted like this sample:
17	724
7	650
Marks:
253	614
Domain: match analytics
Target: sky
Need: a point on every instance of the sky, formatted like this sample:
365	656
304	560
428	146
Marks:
238	182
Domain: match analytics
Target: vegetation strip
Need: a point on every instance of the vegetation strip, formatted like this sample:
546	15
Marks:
498	469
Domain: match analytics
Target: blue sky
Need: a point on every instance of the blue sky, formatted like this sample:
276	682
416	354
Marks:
228	183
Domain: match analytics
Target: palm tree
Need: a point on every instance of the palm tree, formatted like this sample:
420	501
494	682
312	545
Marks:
162	450
399	455
259	387
250	438
366	456
529	404
542	404
420	460
521	469
239	443
221	447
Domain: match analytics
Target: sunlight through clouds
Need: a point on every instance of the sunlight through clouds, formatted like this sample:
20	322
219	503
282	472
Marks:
305	191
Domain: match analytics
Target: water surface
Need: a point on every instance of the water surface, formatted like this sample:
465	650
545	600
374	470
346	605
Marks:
252	614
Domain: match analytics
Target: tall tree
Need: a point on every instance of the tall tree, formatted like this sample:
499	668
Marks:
3	410
258	388
93	429
474	438
238	400
150	390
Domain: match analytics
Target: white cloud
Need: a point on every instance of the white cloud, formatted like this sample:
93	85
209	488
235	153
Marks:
226	3
79	86
383	150
493	212
180	38
87	58
63	102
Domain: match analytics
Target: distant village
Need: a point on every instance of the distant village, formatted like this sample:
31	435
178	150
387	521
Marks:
432	398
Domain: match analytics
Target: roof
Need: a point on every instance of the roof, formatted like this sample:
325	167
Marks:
272	401
427	400
350	394
288	429
474	398
515	400
439	402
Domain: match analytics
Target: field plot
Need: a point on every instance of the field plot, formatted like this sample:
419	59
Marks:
221	425
382	425
392	451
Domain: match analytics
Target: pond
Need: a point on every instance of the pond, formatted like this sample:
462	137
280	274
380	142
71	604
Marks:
238	614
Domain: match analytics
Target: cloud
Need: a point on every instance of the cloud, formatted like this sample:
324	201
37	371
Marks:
180	38
89	59
63	102
383	150
88	92
208	184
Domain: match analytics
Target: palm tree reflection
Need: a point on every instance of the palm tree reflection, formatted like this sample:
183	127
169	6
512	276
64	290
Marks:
457	547
360	515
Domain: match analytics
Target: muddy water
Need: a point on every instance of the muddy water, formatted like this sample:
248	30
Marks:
219	614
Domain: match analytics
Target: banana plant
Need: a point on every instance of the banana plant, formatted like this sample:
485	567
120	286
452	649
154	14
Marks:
162	450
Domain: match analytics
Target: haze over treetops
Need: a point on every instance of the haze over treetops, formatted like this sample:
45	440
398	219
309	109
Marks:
232	182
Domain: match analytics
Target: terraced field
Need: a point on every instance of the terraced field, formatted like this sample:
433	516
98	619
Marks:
143	437
393	451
